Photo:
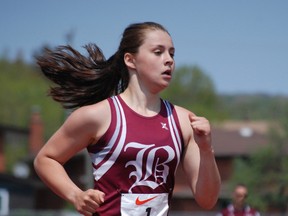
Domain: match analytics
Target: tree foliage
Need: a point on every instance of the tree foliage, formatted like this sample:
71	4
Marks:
254	106
22	88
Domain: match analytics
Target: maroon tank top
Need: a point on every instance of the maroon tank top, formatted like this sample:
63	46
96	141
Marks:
137	154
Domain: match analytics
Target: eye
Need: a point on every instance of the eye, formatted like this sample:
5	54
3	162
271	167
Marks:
158	52
172	52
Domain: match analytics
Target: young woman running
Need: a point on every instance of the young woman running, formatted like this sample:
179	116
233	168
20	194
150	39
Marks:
135	139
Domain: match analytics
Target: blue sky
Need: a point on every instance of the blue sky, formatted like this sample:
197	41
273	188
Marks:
241	45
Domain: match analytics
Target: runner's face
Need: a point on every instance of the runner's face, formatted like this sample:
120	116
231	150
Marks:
154	61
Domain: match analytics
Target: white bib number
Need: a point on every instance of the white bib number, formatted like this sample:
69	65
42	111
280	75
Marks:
144	204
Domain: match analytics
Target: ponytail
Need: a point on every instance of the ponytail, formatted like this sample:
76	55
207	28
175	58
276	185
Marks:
83	80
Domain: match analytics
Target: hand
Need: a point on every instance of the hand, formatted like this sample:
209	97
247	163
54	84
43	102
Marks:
87	202
202	131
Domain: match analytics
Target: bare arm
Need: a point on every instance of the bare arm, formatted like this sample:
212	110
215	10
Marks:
198	160
82	127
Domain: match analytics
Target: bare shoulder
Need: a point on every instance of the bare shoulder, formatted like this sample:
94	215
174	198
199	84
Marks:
183	114
185	124
94	119
95	112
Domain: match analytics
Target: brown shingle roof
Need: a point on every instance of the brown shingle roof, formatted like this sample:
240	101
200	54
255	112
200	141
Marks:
239	138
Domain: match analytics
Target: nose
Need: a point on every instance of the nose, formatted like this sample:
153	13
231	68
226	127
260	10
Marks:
169	60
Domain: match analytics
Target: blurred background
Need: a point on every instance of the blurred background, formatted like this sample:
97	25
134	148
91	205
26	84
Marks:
231	66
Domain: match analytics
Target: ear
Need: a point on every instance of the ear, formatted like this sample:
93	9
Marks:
129	60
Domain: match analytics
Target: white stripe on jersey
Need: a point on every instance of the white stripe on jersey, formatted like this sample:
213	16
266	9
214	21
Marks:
173	130
99	157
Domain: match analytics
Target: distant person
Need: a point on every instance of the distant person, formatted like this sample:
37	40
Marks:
239	207
135	139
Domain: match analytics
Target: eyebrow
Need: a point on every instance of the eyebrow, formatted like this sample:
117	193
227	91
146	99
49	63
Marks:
163	47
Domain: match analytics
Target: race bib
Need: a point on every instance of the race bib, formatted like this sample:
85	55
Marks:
144	204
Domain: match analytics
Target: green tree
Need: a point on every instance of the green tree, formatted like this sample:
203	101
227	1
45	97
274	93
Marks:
254	106
22	87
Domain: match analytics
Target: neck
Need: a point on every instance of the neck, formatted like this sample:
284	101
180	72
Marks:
142	103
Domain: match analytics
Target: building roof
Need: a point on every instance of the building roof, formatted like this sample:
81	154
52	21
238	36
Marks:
239	138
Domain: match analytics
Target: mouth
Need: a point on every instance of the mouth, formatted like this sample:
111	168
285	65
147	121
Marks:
167	73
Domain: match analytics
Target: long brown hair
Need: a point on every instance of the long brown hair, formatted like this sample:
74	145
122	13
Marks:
82	80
